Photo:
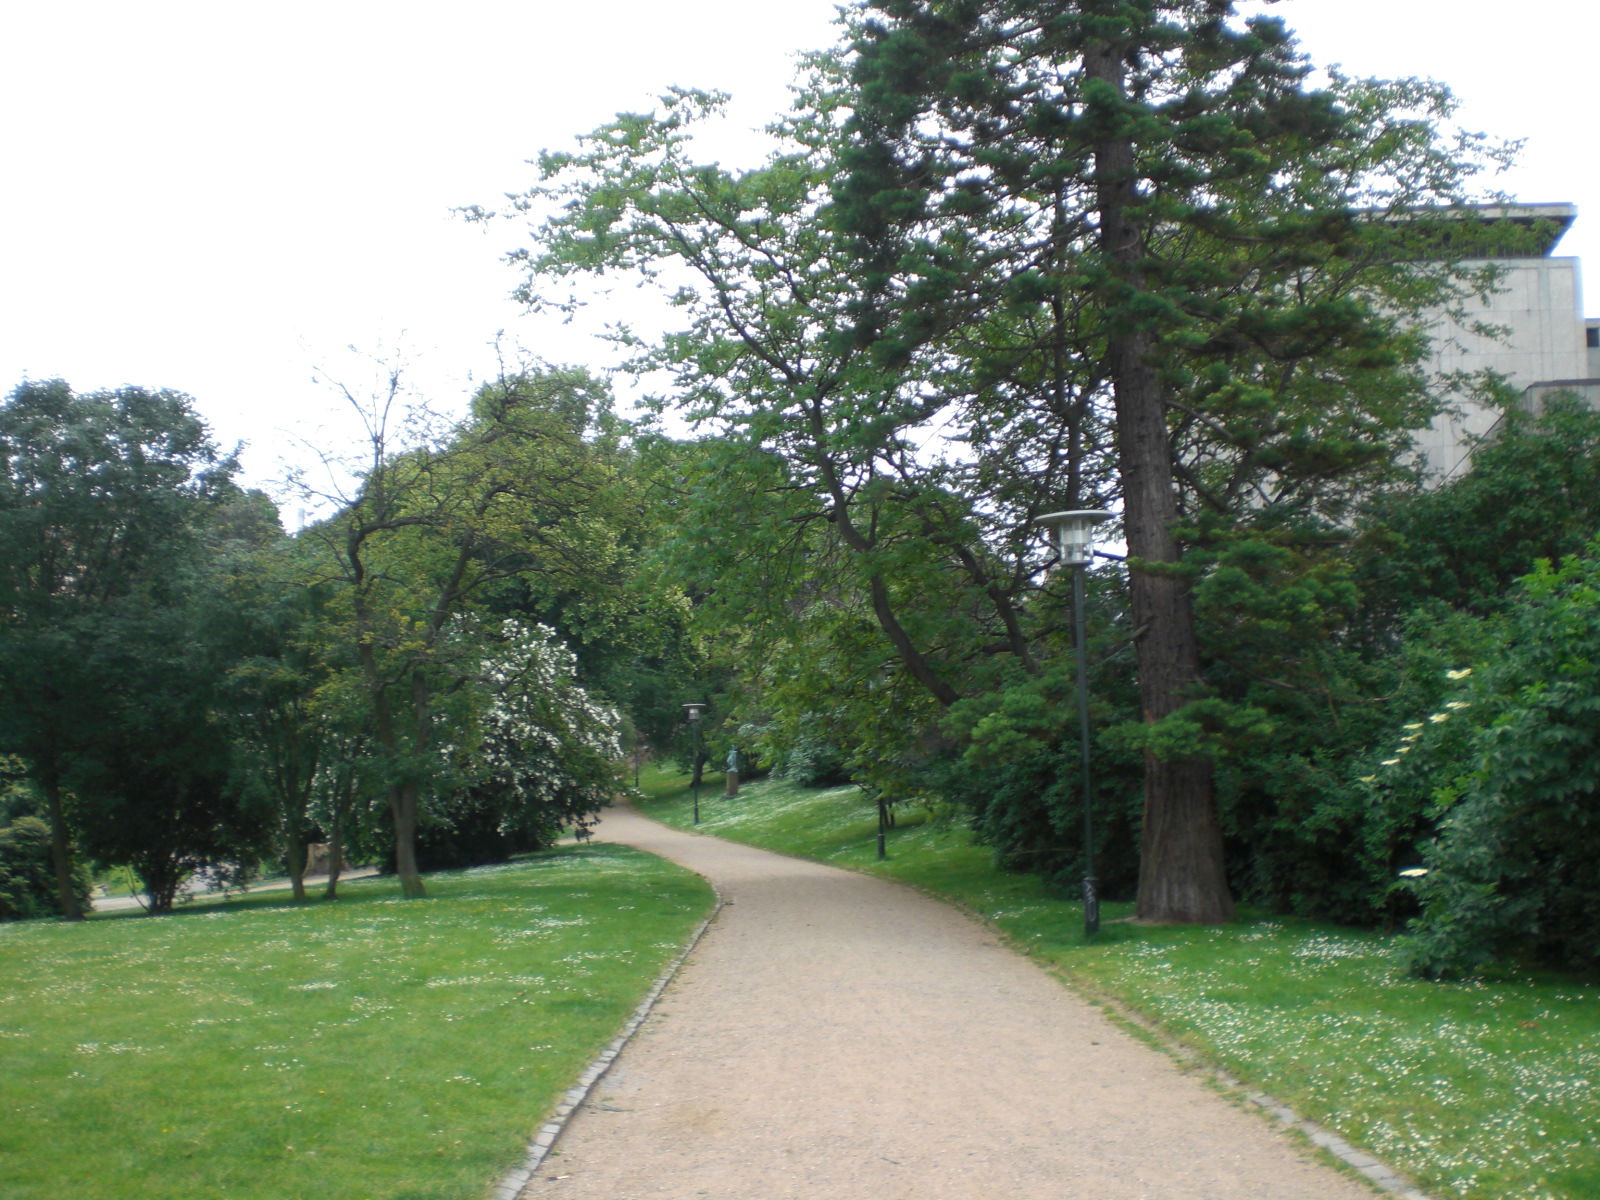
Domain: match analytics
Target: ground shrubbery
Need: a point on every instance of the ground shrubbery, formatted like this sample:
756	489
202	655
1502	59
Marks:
1333	663
1510	772
27	870
27	874
27	881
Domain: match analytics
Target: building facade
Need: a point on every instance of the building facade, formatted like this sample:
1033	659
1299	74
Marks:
1543	343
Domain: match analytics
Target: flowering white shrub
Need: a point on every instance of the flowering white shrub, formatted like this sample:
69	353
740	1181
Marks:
547	752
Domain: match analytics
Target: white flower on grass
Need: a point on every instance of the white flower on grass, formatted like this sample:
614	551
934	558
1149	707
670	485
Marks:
1389	762
1439	718
1458	705
1413	872
1461	674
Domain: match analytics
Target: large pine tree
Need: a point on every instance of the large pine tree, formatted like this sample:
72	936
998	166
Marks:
1208	247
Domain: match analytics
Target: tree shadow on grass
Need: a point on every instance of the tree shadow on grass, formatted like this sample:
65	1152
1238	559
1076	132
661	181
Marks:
362	890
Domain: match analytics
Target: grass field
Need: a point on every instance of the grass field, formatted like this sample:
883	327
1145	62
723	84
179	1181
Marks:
368	1049
1482	1091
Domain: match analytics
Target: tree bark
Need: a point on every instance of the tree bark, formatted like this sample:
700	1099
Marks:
343	796
1181	870
403	806
295	857
60	846
407	797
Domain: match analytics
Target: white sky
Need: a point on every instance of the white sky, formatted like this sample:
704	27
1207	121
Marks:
220	197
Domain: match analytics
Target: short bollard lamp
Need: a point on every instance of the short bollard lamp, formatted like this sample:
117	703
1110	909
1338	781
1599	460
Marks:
1074	532
693	711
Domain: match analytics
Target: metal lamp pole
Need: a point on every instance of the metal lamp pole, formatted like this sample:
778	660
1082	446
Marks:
694	711
1074	532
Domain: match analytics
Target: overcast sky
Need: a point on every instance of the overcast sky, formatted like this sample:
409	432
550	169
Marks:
219	198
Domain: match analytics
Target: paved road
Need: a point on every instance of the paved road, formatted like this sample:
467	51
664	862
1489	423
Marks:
315	885
843	1037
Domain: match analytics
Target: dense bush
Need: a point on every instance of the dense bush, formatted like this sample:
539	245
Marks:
27	874
543	756
814	761
1029	810
1533	493
1512	768
1341	636
1018	778
1328	649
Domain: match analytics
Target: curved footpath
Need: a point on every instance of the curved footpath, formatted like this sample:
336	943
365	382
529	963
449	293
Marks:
838	1036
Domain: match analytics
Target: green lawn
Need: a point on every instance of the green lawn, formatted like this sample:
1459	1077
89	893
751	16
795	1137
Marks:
368	1049
1485	1090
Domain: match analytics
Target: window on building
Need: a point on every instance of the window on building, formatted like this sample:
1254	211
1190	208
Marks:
1593	337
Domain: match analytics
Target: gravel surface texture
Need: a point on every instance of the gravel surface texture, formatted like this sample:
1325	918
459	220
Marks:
834	1035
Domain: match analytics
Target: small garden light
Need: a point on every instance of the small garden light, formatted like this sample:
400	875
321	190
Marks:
693	712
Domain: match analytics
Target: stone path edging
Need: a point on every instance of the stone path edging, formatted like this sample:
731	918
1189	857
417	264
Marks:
512	1185
1187	1057
1369	1168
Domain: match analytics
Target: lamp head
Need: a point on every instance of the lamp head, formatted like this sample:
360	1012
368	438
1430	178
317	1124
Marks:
1074	532
694	710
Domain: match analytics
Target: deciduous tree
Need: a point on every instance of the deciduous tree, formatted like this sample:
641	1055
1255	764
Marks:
102	496
511	498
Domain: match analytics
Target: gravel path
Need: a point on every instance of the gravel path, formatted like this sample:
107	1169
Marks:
839	1036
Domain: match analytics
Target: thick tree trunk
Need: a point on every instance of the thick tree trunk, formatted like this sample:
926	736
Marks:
403	805
404	796
408	796
342	799
1181	871
295	856
60	847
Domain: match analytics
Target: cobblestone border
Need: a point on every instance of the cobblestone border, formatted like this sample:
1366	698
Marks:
1378	1174
512	1186
1359	1161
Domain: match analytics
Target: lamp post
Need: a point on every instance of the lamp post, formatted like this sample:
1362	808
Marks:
694	711
1074	532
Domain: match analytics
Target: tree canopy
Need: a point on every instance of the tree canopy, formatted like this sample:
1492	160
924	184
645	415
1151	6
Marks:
103	500
1014	258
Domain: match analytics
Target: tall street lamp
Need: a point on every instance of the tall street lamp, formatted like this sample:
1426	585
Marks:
694	711
1074	532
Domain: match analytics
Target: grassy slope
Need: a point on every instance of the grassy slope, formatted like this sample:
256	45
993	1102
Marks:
1480	1090
372	1049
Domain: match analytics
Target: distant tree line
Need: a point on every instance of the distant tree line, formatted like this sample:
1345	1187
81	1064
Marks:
435	674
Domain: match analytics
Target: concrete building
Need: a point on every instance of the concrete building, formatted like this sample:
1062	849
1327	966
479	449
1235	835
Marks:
1545	344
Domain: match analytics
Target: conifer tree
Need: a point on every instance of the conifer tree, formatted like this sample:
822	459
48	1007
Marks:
1211	248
